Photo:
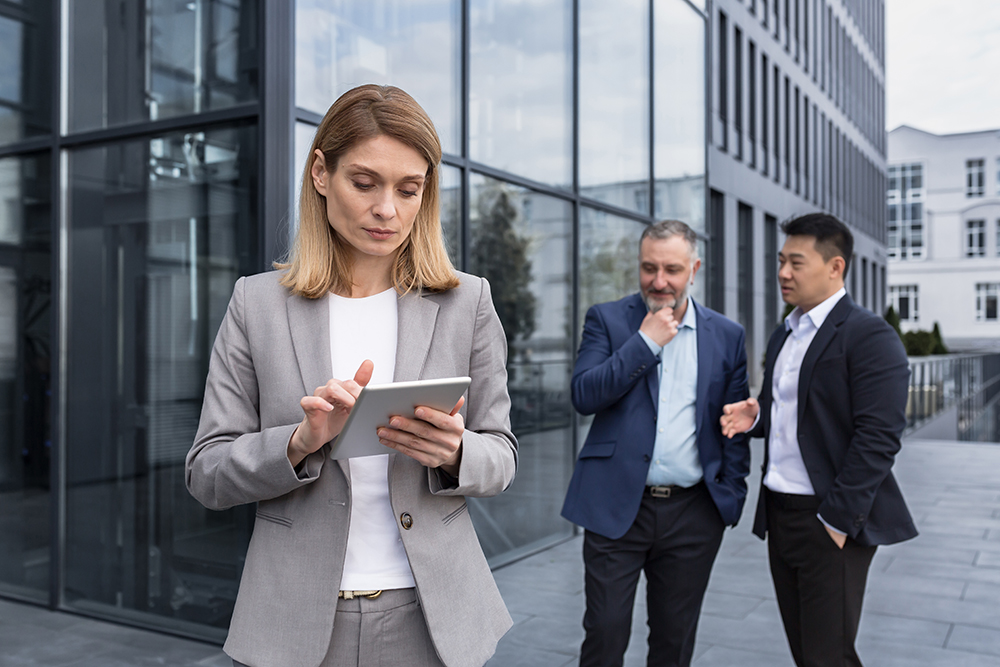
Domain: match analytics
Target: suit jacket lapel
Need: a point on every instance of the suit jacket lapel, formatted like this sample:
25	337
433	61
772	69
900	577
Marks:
634	315
309	324
704	339
417	313
819	343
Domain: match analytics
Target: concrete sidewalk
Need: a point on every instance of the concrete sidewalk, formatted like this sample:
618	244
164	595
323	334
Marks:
932	602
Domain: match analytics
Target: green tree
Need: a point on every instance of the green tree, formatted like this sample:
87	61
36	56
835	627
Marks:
939	347
918	343
500	255
893	319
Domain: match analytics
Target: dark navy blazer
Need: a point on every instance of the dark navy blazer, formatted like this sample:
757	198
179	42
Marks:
853	387
617	378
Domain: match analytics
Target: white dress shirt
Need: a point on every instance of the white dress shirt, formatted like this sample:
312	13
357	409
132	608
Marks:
786	472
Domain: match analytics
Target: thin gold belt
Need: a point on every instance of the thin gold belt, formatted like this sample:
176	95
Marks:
350	595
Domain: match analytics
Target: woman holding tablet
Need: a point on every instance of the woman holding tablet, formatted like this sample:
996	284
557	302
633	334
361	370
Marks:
372	560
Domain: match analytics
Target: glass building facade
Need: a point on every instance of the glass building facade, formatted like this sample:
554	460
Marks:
150	154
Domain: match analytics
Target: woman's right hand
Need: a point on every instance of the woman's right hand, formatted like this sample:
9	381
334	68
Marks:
326	412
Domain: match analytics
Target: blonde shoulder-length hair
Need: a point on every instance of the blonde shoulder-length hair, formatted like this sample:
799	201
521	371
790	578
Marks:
320	261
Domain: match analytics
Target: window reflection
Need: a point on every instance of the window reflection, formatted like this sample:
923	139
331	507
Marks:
614	102
138	61
25	70
609	269
521	241
159	231
412	44
450	189
25	375
521	88
679	152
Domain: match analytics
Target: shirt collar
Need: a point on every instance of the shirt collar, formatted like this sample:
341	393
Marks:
690	318
816	315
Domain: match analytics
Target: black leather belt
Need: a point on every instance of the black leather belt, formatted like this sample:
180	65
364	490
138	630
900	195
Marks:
669	490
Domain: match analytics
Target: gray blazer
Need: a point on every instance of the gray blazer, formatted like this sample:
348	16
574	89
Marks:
272	349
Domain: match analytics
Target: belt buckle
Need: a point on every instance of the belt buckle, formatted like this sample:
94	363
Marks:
660	491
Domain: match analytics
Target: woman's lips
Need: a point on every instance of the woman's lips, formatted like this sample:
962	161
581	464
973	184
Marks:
379	234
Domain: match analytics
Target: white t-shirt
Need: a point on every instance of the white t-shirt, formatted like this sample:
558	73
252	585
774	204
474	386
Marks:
366	329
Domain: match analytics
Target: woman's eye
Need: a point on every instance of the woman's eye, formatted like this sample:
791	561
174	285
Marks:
409	193
363	186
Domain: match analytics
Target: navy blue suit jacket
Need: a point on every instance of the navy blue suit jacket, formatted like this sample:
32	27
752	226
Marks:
853	386
617	378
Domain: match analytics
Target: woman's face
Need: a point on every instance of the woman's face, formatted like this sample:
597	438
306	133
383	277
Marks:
373	194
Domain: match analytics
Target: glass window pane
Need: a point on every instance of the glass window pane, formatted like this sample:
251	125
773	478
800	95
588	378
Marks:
138	61
521	241
614	109
521	88
25	375
25	72
159	231
412	44
679	152
450	187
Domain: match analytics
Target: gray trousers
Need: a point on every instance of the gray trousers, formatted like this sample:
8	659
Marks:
388	631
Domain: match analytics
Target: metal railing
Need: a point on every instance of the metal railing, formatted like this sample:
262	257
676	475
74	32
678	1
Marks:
970	383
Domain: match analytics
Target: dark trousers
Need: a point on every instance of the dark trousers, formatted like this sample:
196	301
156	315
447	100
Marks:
820	588
674	541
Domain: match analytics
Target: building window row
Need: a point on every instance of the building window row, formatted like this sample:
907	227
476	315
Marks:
814	36
799	145
905	300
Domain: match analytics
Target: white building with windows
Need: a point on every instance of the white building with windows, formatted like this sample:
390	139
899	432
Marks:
944	234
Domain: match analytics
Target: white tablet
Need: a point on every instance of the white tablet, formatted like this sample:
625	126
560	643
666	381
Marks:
378	402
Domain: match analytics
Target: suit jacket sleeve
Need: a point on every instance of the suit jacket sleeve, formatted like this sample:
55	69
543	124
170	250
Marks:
489	449
233	461
878	375
601	375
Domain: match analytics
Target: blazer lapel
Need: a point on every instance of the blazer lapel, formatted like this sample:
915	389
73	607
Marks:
634	315
415	327
819	343
309	323
704	339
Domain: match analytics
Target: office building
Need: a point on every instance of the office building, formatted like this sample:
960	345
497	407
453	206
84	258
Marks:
797	116
149	155
944	234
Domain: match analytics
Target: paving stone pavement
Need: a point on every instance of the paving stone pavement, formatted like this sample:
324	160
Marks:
931	602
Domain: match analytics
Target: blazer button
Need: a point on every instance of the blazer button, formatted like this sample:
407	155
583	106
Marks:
405	520
645	458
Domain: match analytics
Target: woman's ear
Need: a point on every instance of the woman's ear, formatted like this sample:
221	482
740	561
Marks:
319	172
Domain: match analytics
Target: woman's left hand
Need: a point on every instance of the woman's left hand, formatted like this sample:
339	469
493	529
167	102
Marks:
433	439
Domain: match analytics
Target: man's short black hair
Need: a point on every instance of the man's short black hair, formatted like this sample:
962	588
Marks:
833	237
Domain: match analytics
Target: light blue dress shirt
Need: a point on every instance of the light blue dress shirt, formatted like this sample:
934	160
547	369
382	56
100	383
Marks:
675	450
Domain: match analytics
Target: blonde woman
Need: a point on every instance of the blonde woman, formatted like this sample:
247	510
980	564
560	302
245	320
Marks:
371	561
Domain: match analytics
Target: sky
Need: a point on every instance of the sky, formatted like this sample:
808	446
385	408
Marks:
943	65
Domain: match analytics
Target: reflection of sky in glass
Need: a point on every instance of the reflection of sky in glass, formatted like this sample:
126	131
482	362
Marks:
679	88
411	44
614	92
11	201
521	88
11	37
679	54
